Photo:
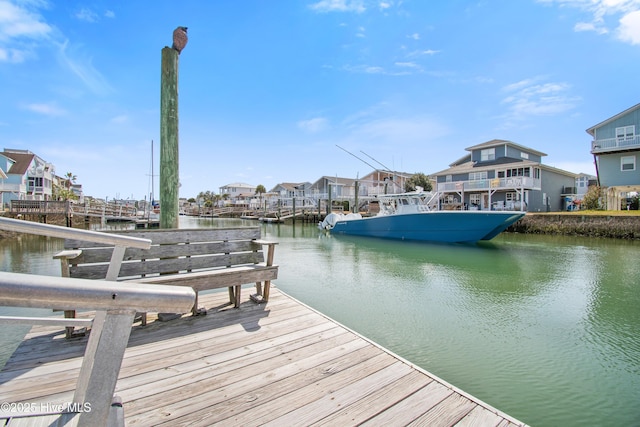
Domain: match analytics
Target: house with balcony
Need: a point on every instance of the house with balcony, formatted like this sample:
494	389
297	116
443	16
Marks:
24	176
503	175
616	151
383	182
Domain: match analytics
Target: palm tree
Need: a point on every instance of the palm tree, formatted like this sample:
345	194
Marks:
260	190
70	178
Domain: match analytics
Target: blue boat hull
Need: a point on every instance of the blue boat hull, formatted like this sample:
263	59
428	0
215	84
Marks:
435	226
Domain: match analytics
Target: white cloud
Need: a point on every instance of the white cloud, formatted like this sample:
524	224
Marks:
83	68
531	97
314	125
589	26
338	6
45	109
407	64
428	52
414	36
109	14
629	29
19	26
607	14
120	119
87	15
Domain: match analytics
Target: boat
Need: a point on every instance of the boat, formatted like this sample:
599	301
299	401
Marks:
416	216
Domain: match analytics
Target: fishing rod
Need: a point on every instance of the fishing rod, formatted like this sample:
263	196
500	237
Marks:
385	167
375	168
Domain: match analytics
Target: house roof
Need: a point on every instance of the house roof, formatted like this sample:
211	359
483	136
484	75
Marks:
498	142
291	186
239	185
388	173
473	167
591	130
22	161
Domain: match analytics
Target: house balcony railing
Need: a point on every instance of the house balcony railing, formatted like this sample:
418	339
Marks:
615	144
512	183
12	188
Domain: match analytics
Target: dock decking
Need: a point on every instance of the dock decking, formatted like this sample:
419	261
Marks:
279	364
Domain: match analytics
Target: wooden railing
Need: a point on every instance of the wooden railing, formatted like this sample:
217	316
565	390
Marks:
47	207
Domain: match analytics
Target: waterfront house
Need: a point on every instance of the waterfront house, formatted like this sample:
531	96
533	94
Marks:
383	182
500	175
583	182
289	190
333	187
238	193
24	176
616	149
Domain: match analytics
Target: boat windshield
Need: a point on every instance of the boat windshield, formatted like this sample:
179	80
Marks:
406	203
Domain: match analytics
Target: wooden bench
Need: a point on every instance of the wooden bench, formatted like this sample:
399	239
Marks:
202	259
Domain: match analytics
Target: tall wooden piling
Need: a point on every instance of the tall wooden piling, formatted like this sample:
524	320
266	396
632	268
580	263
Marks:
169	168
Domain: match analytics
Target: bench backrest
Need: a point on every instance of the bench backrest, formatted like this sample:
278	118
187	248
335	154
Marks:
172	251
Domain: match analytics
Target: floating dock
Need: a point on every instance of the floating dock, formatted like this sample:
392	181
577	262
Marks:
279	363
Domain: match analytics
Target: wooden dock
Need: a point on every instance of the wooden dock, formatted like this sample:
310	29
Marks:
279	364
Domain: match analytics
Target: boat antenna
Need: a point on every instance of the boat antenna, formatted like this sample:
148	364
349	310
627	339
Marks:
373	167
385	167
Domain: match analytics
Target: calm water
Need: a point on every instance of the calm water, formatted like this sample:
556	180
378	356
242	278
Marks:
541	327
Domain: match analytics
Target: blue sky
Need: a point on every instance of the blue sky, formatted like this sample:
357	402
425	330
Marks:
268	89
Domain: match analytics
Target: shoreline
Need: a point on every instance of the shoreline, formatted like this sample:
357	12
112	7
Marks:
623	226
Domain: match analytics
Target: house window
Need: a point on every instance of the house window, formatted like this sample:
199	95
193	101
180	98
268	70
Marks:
477	176
449	178
524	155
518	172
512	197
474	199
625	132
488	154
628	163
449	199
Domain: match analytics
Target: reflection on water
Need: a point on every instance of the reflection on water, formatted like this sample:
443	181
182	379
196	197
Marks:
538	326
543	328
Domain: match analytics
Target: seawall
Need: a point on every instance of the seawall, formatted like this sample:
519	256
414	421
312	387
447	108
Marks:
617	227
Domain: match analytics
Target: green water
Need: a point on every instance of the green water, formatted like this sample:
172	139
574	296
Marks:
543	328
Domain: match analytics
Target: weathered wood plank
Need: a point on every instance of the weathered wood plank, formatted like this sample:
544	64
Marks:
408	409
103	254
278	363
376	402
447	413
177	236
480	417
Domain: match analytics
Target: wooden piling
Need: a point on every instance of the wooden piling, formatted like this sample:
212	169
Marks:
169	170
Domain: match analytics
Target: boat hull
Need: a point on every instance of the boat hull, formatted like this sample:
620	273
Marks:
435	226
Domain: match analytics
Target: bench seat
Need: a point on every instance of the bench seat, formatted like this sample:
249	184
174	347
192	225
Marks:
202	259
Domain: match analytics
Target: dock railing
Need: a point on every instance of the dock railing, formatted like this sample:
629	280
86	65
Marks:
115	304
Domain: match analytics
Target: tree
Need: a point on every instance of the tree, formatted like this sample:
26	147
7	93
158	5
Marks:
70	178
208	198
418	180
591	200
260	190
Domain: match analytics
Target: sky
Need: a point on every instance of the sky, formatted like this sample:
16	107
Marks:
293	90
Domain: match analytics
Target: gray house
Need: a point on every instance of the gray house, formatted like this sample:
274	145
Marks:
616	149
501	175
